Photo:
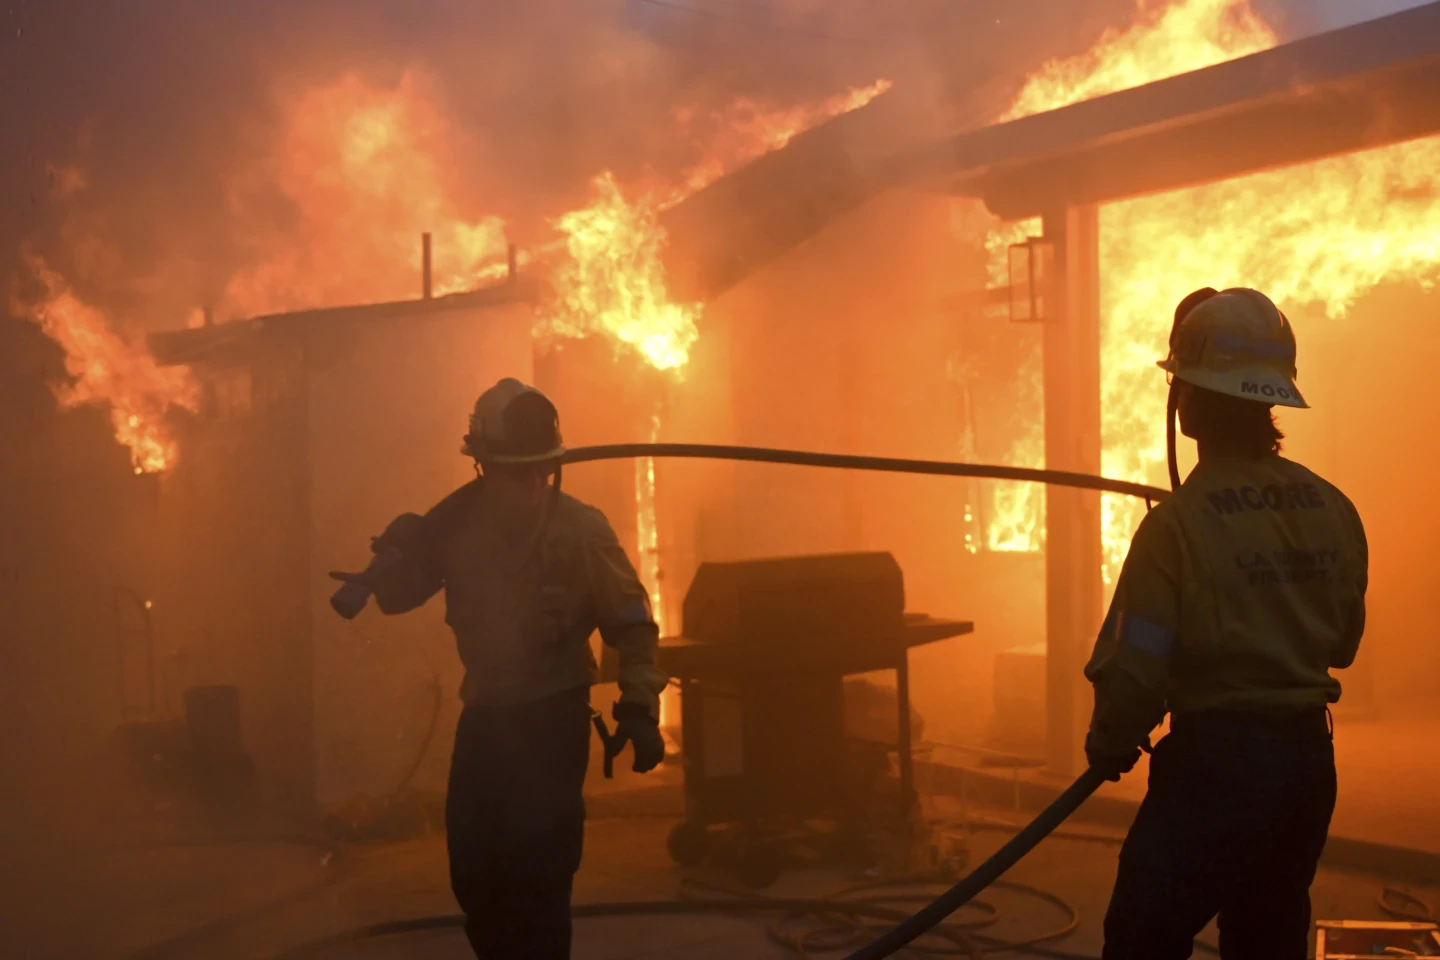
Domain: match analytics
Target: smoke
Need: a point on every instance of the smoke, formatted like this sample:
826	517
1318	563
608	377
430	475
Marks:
148	134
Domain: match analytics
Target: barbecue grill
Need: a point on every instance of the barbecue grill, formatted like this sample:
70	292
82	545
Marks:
761	664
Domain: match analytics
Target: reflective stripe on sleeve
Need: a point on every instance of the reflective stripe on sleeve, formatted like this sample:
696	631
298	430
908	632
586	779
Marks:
1148	637
637	612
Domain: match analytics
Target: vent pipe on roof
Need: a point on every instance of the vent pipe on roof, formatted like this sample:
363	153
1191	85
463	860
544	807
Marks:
425	265
510	255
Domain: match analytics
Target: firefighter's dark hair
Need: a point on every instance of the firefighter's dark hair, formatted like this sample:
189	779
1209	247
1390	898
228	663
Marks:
1231	425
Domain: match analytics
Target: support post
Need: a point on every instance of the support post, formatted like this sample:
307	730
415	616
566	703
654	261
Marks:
425	265
1073	590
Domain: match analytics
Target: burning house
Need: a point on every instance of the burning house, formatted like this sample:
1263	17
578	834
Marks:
1300	169
847	292
863	276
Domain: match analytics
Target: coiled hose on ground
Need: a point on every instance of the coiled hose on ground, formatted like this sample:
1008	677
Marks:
844	918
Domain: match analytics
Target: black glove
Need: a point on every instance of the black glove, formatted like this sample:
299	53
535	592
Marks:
406	529
1108	758
634	723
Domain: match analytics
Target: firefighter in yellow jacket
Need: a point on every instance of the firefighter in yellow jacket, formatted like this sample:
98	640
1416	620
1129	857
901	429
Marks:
529	573
1240	593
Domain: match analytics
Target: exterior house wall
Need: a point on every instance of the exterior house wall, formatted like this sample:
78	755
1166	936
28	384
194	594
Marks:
315	436
389	402
848	343
76	527
232	605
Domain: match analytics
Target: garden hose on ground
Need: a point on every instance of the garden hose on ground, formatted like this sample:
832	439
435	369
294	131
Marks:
842	919
987	873
834	923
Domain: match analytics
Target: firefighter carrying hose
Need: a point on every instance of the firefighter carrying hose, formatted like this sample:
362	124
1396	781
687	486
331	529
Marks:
529	574
1240	593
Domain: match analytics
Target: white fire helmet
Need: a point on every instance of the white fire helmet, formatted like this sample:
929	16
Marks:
513	423
1238	343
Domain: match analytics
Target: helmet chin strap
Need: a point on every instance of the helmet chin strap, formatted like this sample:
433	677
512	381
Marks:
554	494
1172	404
1172	408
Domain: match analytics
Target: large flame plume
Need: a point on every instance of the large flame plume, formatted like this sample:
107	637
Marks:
1321	234
109	370
611	281
1163	42
363	171
333	214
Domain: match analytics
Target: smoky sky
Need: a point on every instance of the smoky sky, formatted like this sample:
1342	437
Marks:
160	102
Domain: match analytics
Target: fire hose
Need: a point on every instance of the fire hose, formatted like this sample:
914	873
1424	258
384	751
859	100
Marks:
352	597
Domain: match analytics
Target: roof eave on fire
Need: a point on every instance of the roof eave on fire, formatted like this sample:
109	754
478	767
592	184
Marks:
224	340
1368	85
723	233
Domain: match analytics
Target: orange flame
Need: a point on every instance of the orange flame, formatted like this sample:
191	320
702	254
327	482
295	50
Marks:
1183	36
1323	233
648	528
363	171
612	282
110	371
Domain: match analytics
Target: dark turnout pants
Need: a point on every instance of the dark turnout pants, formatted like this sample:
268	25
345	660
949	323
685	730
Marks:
1234	823
515	820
